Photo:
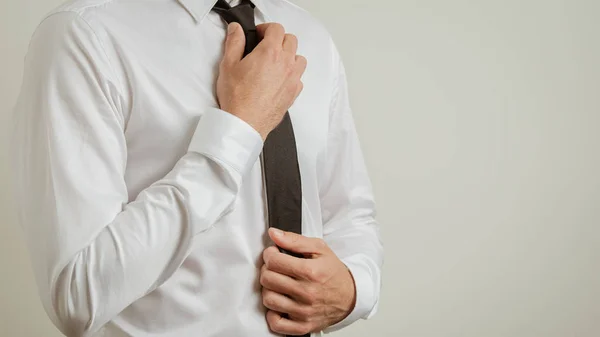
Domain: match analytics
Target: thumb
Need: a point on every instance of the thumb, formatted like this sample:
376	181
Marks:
234	44
297	243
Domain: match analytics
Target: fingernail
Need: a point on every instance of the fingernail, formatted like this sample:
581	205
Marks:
277	232
231	28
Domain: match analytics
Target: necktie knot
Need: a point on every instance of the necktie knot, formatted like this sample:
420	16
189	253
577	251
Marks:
242	14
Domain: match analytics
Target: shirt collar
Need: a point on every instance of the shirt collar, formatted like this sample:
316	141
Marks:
199	8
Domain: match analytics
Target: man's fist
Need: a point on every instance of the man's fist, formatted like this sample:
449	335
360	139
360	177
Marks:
313	293
262	86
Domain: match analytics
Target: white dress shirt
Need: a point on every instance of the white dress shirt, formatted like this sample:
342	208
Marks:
142	202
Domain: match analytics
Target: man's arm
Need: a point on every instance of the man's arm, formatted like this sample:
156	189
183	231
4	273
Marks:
348	208
94	252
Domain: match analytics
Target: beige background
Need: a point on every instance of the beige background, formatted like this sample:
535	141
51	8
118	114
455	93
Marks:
480	122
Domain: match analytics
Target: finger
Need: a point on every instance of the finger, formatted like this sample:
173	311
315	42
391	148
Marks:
271	32
299	69
282	284
290	44
300	65
269	253
299	89
234	44
297	243
285	326
286	264
281	303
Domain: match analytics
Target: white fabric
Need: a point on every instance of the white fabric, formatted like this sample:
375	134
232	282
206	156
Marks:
142	202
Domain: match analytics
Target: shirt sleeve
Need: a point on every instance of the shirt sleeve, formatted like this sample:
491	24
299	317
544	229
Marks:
348	207
93	250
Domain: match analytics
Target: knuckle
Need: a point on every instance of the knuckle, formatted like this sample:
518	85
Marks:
311	294
305	270
276	263
301	61
305	329
290	69
263	269
269	301
299	68
267	258
232	43
319	276
264	279
320	243
311	274
270	257
234	39
278	26
272	52
306	313
295	238
275	323
223	66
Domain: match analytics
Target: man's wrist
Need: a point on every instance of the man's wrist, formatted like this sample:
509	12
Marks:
353	302
256	125
348	299
365	295
228	139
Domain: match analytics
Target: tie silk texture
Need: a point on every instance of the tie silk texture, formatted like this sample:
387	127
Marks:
280	156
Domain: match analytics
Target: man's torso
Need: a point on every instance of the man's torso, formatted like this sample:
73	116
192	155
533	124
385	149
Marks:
167	65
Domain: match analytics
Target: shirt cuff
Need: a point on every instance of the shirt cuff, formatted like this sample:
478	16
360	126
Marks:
366	300
227	139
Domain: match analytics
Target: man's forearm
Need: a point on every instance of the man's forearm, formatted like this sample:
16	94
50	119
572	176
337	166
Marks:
139	250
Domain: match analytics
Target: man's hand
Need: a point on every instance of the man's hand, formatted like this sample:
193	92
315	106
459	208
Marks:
315	292
262	86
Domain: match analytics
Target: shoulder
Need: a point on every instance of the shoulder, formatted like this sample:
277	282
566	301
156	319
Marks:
69	20
65	41
92	14
80	7
68	23
81	24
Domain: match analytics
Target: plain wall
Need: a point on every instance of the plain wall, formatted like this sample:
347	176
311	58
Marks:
480	123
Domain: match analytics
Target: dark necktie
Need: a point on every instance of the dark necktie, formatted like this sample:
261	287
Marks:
280	158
